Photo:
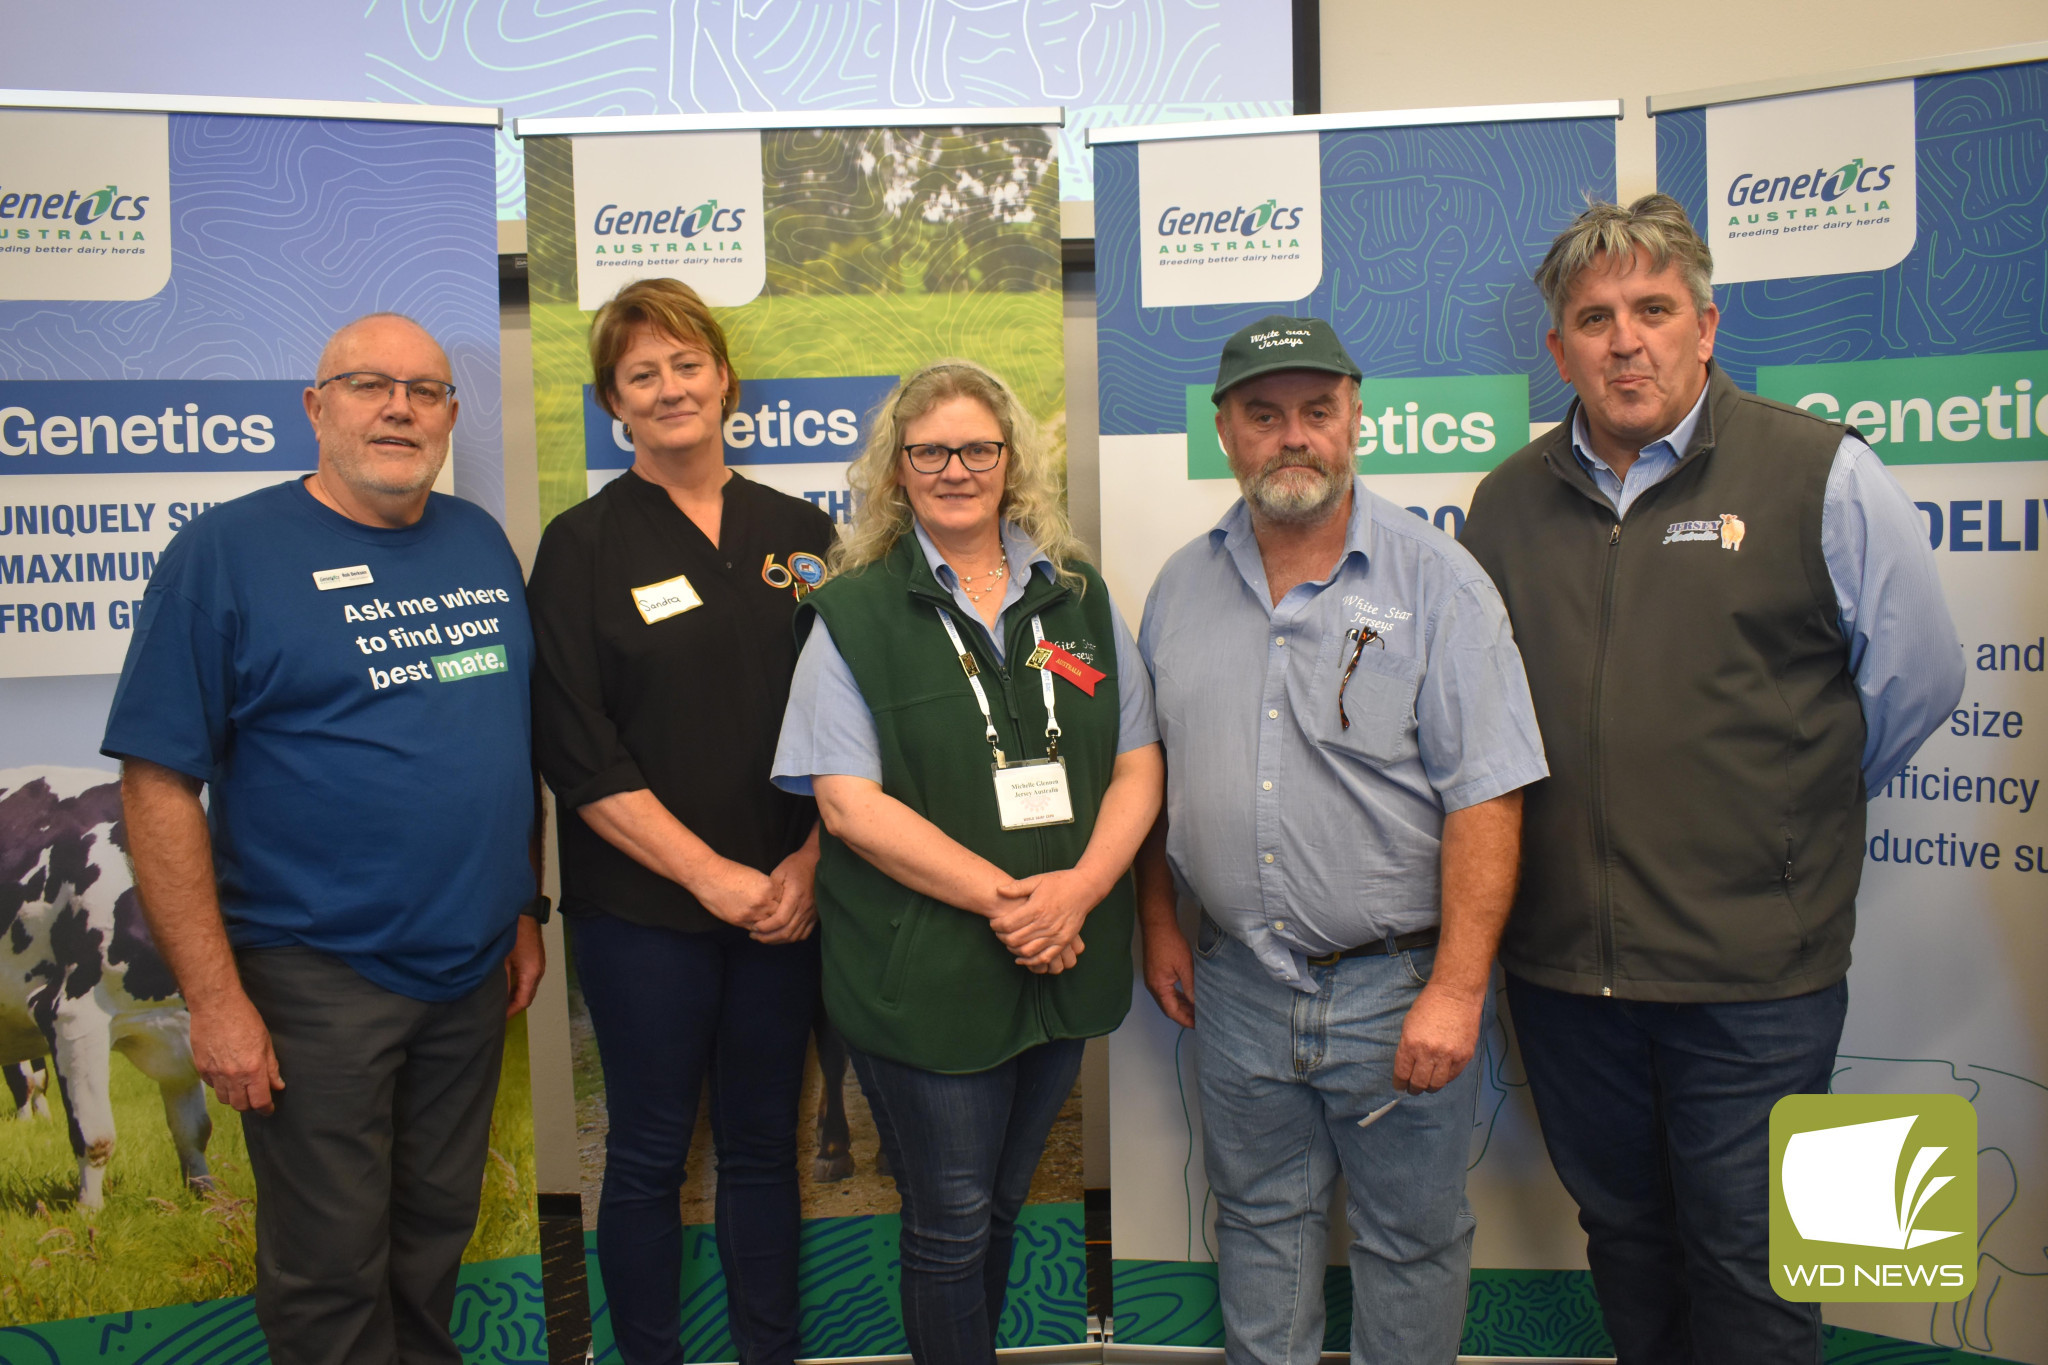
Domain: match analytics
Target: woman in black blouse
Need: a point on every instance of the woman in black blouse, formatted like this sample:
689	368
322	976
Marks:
661	613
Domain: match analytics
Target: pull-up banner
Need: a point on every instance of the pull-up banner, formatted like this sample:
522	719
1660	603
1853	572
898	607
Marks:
1416	234
1881	258
167	281
836	258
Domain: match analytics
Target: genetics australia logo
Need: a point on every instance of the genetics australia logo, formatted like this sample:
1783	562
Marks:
83	207
1236	221
708	217
1818	186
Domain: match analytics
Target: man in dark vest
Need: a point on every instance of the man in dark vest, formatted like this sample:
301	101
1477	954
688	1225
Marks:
1733	631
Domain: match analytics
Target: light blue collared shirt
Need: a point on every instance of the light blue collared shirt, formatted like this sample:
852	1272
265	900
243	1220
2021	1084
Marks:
1297	835
829	730
1903	652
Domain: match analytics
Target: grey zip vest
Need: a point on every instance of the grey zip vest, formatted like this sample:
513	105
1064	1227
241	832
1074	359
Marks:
1700	837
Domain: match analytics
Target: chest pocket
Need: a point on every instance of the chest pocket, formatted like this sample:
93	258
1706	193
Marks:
1379	700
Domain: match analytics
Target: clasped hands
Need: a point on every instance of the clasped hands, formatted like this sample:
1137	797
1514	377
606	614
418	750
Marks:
773	907
1038	919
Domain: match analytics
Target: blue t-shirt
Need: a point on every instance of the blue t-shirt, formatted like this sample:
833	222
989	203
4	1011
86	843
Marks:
356	700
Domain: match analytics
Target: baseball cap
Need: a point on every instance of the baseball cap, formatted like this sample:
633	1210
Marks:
1279	342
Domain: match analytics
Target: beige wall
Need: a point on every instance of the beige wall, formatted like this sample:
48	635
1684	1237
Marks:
1381	55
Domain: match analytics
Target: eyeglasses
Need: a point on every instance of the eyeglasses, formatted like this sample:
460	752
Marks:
1365	635
976	457
370	386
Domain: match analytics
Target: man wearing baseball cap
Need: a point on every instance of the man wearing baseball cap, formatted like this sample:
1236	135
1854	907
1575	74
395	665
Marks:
1347	732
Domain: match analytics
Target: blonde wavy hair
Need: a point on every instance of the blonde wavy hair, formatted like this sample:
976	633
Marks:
1034	495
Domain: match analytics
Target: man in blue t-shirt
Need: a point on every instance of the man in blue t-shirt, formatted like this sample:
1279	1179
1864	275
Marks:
342	662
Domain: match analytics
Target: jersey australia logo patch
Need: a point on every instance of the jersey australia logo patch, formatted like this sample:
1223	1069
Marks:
1727	528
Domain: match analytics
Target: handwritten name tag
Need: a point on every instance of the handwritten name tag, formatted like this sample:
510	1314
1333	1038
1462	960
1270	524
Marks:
670	597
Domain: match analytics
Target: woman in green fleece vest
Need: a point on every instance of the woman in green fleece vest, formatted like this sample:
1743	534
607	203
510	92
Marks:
974	720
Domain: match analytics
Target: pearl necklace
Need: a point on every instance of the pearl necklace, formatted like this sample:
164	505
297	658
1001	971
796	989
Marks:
993	577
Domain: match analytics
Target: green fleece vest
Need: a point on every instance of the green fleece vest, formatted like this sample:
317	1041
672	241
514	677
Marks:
1700	836
908	977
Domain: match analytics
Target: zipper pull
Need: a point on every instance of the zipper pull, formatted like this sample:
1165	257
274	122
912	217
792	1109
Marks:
1615	537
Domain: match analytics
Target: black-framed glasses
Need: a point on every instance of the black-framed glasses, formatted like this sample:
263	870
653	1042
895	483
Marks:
374	387
1365	635
976	457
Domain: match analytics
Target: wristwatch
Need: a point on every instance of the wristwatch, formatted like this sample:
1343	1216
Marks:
537	908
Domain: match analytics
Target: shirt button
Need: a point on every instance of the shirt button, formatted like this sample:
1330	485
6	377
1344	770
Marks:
1272	715
1279	639
1269	857
1267	786
1281	925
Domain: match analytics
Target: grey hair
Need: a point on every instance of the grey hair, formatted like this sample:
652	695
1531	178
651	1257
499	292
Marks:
1655	225
1034	493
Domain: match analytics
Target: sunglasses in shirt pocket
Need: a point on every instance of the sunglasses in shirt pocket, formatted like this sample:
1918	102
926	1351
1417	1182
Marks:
1378	700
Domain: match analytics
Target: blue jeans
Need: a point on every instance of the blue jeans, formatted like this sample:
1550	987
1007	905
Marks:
668	1008
1285	1077
1658	1120
963	1150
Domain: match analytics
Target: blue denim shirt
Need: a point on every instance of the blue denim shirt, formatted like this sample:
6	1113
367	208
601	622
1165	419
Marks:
1300	836
1903	651
828	729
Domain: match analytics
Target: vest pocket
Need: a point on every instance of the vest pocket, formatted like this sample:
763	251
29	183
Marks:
894	975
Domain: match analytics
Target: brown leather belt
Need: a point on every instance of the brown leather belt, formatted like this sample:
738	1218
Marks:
1386	947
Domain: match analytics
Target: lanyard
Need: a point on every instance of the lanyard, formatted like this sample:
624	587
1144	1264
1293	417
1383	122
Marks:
973	672
1052	715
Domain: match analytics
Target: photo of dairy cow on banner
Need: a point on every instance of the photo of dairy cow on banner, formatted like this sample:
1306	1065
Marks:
1416	234
167	281
835	259
1879	260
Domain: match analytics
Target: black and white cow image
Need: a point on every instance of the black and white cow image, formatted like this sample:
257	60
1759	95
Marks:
28	1085
80	978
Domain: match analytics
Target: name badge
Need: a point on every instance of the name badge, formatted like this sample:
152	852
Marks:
354	576
1033	793
670	597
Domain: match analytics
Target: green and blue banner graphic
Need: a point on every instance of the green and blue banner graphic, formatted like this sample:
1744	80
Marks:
1881	258
1416	242
167	282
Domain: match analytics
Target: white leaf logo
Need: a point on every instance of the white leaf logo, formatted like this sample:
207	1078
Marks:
1839	1185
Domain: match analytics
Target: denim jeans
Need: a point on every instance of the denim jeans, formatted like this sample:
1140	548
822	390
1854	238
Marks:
668	1008
1285	1077
1658	1120
963	1150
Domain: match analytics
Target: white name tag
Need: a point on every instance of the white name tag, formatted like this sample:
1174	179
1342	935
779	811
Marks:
354	576
670	597
1033	793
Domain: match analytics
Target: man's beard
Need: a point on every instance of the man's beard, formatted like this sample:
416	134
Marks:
1292	501
360	473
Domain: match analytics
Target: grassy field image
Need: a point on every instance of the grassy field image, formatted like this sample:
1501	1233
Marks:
155	1242
887	248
